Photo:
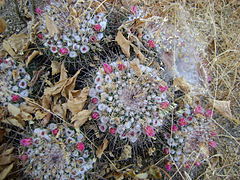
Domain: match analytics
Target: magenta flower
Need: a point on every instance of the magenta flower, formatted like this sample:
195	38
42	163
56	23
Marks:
168	166
26	142
55	131
133	9
15	98
80	146
40	36
38	11
213	133
95	115
94	100
97	27
174	128
163	88
23	157
182	122
209	113
107	68
63	51
198	110
213	144
187	165
151	44
112	130
166	150
197	163
121	67
149	130
93	38
164	105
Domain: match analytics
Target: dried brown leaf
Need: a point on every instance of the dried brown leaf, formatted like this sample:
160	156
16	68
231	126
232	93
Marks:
3	25
224	108
80	118
13	121
16	44
138	53
32	56
56	67
6	171
70	85
101	148
76	104
135	66
64	72
182	85
51	26
123	43
13	109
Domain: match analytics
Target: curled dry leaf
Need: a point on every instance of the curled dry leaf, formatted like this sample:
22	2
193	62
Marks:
13	109
63	74
135	66
51	26
182	85
224	108
56	67
76	104
138	53
3	25
102	148
32	56
80	118
16	44
123	43
6	171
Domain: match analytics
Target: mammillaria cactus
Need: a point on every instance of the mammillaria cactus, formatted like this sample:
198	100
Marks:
129	100
71	28
14	79
192	137
56	152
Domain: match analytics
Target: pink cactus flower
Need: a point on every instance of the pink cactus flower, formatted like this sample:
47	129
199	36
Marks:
112	131
168	166
15	98
93	38
182	122
213	144
149	130
166	150
40	36
23	157
164	105
97	27
187	165
174	128
151	44
209	113
213	133
38	11
63	51
197	163
133	9
198	110
95	115
55	131
121	67
107	68
80	146
26	142
94	100
163	88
